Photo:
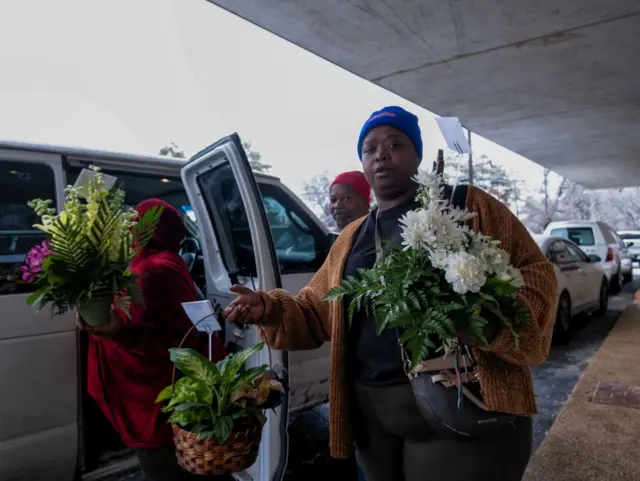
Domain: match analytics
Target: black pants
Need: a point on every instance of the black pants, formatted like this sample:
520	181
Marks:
398	444
160	464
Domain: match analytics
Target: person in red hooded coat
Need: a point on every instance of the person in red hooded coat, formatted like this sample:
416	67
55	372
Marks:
128	359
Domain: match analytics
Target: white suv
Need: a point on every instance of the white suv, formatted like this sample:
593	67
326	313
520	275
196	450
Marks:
632	239
594	238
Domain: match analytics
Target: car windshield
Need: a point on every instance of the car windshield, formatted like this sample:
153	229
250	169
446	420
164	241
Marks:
582	236
630	237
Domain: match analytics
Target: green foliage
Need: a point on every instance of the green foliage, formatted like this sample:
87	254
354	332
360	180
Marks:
211	399
92	242
405	292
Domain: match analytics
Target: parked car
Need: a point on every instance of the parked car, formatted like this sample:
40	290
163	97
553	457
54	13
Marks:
594	238
632	239
244	227
582	282
626	260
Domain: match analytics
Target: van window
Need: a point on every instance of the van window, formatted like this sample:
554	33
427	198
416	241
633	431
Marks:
301	245
19	183
139	187
582	236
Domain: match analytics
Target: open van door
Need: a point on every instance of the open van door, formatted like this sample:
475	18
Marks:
238	248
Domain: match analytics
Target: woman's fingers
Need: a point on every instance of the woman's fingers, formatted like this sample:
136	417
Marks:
240	310
238	302
230	313
237	314
234	313
240	290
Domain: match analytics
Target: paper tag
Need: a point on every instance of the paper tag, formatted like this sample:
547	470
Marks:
82	182
451	130
202	314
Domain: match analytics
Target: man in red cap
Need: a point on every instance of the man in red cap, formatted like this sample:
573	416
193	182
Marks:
349	198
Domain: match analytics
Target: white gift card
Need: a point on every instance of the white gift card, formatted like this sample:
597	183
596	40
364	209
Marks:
82	182
453	134
202	314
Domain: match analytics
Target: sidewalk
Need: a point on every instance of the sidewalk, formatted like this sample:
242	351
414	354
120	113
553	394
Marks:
591	441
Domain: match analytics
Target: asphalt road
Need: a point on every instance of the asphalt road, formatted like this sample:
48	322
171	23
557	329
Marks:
554	380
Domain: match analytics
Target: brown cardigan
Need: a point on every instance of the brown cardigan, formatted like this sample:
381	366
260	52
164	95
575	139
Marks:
304	321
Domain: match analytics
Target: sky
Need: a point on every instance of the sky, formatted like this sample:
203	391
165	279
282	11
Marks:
132	76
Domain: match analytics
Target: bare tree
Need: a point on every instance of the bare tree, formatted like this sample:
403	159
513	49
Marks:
620	208
488	176
172	150
316	194
539	212
255	159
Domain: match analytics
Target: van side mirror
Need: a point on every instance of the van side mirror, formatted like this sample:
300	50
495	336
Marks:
594	259
629	243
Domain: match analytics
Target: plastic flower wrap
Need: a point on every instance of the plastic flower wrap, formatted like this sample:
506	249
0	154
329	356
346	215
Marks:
88	248
443	281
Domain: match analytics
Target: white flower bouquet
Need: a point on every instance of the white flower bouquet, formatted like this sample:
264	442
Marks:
444	282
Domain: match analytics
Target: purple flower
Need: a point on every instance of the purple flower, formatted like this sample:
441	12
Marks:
34	260
26	274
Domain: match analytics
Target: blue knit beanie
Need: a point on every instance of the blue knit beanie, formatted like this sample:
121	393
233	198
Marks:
396	117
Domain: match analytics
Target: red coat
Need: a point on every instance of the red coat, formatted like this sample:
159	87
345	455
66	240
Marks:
126	372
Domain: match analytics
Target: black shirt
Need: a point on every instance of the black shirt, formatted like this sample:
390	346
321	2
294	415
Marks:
372	359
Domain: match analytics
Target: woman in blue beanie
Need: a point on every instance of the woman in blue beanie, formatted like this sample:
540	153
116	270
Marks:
371	402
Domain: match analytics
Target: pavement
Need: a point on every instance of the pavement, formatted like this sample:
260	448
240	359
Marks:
555	379
597	433
554	382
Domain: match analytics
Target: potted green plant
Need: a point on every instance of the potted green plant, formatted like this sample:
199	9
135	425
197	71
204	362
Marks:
218	410
84	261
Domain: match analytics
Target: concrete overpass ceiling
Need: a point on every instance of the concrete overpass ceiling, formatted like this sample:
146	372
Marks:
555	81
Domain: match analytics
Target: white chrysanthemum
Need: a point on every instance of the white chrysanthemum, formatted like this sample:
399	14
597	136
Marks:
439	259
427	179
479	243
497	260
465	272
460	215
416	231
513	275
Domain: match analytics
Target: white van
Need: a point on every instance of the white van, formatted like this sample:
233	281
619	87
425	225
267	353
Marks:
244	228
594	238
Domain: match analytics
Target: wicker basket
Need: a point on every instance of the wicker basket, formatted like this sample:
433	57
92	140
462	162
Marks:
209	457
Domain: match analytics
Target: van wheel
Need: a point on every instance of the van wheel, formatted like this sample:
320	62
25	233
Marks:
562	330
628	277
603	301
616	284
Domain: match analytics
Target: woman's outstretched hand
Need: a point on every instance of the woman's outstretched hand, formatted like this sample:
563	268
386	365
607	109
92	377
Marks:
247	308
